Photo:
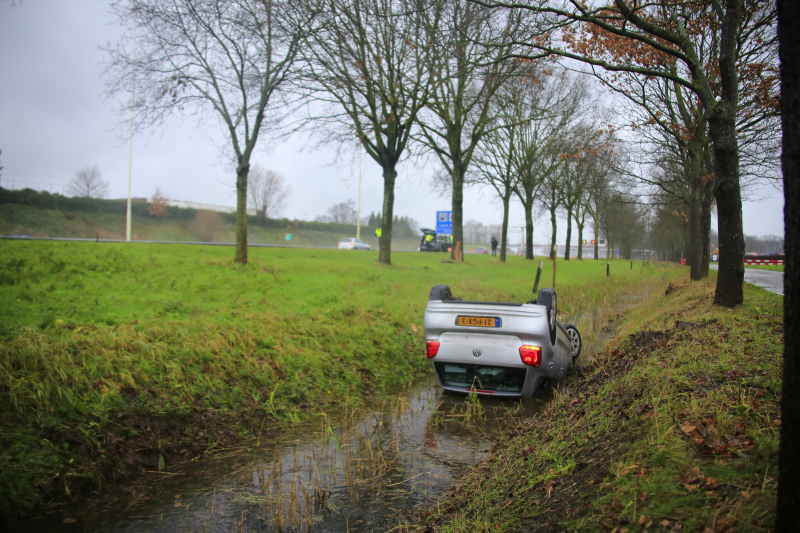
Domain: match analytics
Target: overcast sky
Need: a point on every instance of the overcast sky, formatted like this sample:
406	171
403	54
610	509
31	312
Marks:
54	120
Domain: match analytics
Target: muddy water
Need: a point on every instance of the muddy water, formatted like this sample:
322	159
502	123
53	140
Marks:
354	469
365	469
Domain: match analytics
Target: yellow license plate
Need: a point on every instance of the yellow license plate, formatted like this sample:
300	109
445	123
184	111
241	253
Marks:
479	321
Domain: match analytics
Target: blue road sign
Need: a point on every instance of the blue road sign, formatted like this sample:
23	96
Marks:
444	222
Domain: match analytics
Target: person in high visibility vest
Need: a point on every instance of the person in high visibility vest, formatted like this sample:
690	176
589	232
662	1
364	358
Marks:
378	234
428	241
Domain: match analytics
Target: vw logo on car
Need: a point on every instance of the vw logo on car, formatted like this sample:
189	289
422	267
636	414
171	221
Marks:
476	352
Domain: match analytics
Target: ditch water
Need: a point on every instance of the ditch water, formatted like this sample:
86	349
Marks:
370	468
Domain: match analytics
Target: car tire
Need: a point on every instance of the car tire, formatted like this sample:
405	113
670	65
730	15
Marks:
575	338
547	298
440	292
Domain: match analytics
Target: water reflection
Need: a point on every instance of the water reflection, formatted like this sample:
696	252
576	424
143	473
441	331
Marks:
356	469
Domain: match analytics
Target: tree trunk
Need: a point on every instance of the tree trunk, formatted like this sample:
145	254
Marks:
241	211
389	178
529	228
569	233
504	231
722	128
458	211
788	506
553	247
580	240
695	238
705	231
596	241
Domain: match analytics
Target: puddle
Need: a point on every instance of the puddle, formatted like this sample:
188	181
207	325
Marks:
370	468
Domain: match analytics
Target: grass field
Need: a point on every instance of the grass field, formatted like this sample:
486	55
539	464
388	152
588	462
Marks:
122	357
674	428
778	268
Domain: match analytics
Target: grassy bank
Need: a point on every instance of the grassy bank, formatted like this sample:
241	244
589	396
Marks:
18	219
117	358
674	428
777	268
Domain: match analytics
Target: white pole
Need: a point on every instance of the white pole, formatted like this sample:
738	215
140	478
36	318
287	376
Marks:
358	222
130	148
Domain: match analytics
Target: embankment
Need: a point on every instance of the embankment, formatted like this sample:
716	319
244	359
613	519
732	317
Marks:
674	427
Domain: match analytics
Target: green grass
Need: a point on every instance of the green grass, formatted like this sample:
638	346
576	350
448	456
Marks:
778	268
119	357
674	428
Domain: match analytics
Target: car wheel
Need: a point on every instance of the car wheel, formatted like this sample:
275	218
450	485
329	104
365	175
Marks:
547	298
575	339
440	292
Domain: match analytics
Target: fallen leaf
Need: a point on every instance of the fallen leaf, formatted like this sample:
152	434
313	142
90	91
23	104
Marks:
642	519
69	520
177	496
665	523
643	496
414	327
687	428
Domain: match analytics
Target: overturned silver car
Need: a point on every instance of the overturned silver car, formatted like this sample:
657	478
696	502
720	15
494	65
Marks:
496	348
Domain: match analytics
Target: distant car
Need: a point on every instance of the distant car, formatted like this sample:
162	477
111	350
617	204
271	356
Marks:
353	244
431	242
521	251
480	250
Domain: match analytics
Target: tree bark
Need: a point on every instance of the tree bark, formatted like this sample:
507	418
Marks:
722	128
529	230
389	178
695	237
788	506
553	247
596	241
241	211
458	211
705	231
569	233
504	231
580	242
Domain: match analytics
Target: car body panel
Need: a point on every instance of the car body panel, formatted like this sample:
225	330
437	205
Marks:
496	347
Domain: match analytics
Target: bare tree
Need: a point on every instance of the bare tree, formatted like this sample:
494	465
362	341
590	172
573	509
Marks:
662	39
223	60
88	183
341	213
460	106
551	102
369	72
267	192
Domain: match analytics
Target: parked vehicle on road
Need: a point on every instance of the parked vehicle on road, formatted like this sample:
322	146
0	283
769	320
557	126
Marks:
353	244
431	242
480	250
498	348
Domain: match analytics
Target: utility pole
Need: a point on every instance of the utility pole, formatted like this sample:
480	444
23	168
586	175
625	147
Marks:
130	133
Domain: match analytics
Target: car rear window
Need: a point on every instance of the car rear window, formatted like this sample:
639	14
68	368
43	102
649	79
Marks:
496	378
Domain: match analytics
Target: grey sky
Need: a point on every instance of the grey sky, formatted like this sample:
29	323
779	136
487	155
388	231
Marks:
54	120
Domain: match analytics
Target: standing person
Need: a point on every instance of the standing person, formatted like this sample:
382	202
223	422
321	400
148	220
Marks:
494	246
378	233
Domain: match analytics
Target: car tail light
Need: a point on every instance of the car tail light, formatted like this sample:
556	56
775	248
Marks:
531	355
433	349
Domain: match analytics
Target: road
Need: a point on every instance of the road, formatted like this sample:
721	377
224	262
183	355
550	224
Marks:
772	280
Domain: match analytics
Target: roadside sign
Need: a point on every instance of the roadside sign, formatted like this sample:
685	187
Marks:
444	222
288	236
